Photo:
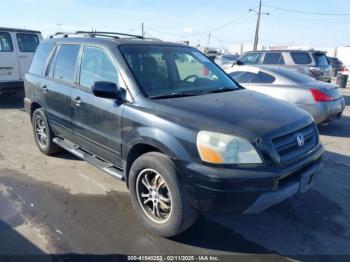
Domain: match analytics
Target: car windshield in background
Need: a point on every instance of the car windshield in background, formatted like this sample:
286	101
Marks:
320	59
230	57
250	58
163	71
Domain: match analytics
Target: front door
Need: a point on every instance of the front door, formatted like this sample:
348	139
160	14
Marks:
27	44
9	68
97	122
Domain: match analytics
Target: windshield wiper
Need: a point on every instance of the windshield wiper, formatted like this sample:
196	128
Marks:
221	90
176	94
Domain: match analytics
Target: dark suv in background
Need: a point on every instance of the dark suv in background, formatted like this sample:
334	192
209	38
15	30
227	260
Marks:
336	65
164	118
313	63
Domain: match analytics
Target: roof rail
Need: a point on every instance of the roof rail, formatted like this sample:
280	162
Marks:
63	34
96	33
115	34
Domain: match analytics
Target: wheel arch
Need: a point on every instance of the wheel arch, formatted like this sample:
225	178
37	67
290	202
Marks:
34	106
145	144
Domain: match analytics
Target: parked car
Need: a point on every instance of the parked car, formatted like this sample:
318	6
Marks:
322	100
211	54
336	64
17	47
225	61
183	135
312	63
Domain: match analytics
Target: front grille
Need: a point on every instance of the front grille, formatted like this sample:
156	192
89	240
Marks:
288	149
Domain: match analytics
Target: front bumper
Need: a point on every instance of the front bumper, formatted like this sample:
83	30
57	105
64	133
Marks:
247	190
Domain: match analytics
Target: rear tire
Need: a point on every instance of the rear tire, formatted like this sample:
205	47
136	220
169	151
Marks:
43	134
153	179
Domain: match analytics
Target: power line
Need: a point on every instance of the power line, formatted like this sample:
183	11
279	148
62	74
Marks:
306	12
223	25
203	32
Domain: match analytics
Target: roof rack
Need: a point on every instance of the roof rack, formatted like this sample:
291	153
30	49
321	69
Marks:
115	35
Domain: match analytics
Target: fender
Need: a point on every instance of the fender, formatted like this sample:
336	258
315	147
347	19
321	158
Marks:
157	138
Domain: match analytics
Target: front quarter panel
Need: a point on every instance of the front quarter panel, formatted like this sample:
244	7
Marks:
141	126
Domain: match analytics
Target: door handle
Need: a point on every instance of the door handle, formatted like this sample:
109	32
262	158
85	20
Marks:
44	88
77	101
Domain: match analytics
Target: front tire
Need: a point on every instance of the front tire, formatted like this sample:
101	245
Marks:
158	195
43	134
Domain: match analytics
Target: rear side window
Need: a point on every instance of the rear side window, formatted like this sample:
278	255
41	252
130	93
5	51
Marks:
301	58
273	59
320	59
27	42
96	65
40	58
262	78
250	58
65	62
242	76
5	42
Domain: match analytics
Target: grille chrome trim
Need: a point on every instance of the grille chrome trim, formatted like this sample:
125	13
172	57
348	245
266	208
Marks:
288	149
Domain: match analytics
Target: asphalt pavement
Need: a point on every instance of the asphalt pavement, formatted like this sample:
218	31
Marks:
62	205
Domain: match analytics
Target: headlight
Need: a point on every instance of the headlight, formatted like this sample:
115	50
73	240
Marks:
225	149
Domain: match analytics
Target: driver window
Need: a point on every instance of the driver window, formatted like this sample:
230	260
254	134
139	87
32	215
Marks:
96	65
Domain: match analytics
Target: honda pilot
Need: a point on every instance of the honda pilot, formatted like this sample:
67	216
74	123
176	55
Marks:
162	117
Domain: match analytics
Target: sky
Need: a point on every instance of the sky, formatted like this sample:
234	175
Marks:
228	21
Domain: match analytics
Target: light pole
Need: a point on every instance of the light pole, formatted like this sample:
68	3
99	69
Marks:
256	38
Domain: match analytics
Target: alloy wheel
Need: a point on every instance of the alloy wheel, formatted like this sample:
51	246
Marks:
154	195
41	132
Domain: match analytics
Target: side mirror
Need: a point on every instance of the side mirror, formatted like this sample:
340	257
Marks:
239	62
105	89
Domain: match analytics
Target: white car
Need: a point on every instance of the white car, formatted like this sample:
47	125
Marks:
17	47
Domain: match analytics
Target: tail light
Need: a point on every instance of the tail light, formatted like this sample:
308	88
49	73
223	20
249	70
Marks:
319	96
314	70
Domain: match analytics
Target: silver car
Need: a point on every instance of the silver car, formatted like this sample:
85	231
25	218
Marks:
322	100
310	62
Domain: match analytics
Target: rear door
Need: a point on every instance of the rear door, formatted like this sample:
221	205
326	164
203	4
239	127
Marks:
301	62
57	88
97	122
27	44
9	69
273	58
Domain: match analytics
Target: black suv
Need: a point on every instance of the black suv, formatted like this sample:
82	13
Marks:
162	117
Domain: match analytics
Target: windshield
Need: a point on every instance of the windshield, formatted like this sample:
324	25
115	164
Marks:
170	70
230	57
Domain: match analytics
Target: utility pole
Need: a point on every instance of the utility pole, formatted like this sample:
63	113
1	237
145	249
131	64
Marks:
208	39
142	30
256	38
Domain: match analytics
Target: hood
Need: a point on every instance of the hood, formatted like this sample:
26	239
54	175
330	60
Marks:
242	112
